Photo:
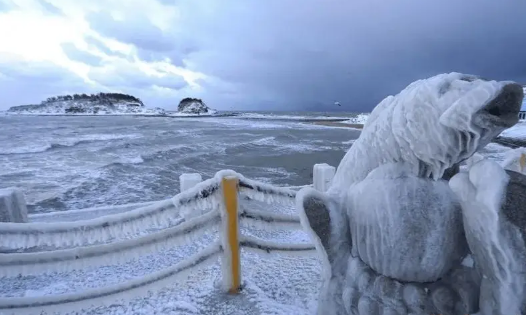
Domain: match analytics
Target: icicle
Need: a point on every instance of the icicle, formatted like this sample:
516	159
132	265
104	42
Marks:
108	295
104	229
266	193
81	257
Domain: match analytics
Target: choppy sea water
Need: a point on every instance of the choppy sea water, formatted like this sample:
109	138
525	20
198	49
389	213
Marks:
65	163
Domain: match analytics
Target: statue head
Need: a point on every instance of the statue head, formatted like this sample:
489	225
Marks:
443	120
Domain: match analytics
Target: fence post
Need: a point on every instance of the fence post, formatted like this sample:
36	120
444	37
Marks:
187	181
230	259
12	206
522	162
322	176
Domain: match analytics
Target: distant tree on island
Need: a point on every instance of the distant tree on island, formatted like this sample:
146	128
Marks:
101	98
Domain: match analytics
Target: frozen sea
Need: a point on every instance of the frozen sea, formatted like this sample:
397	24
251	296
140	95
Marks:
64	163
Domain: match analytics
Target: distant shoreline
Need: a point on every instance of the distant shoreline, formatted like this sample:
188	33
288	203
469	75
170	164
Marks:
337	124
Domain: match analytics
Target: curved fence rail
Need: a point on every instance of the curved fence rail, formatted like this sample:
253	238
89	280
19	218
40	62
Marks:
124	236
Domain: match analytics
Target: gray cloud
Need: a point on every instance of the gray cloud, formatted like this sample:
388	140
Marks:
100	46
138	31
277	54
31	82
50	8
75	54
127	76
151	42
356	52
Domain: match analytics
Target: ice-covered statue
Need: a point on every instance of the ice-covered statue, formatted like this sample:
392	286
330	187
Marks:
401	230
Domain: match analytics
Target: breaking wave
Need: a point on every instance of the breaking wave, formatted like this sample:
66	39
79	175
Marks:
64	143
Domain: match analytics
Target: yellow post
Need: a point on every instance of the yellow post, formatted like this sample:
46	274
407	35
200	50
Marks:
230	189
522	161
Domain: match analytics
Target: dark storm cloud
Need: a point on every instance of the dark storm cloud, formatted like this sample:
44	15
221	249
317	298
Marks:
127	76
138	31
50	8
151	42
355	52
75	54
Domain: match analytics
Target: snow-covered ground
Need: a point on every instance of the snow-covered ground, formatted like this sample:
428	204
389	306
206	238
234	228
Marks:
279	284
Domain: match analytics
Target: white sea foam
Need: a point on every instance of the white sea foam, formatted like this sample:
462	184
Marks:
39	146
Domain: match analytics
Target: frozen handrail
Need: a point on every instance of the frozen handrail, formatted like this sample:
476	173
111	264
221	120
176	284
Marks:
266	219
265	192
218	193
73	258
103	229
127	290
269	246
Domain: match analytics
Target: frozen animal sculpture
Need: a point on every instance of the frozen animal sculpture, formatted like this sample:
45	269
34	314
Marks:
394	236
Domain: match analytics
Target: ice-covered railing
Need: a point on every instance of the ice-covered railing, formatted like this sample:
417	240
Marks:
219	197
104	229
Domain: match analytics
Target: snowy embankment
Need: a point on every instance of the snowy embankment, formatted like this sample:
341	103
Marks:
84	108
83	104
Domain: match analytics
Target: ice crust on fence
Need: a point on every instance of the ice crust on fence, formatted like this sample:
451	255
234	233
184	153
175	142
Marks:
108	295
270	247
106	254
266	193
205	195
103	229
266	220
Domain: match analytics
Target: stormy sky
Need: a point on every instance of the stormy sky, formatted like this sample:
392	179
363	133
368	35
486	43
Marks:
253	54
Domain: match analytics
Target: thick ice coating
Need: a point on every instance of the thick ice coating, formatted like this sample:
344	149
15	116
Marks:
390	229
432	124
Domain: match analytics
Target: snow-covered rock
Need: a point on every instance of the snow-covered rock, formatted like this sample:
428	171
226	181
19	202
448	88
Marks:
194	106
94	104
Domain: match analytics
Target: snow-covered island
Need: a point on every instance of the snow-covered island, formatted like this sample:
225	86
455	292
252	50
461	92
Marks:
84	104
193	107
